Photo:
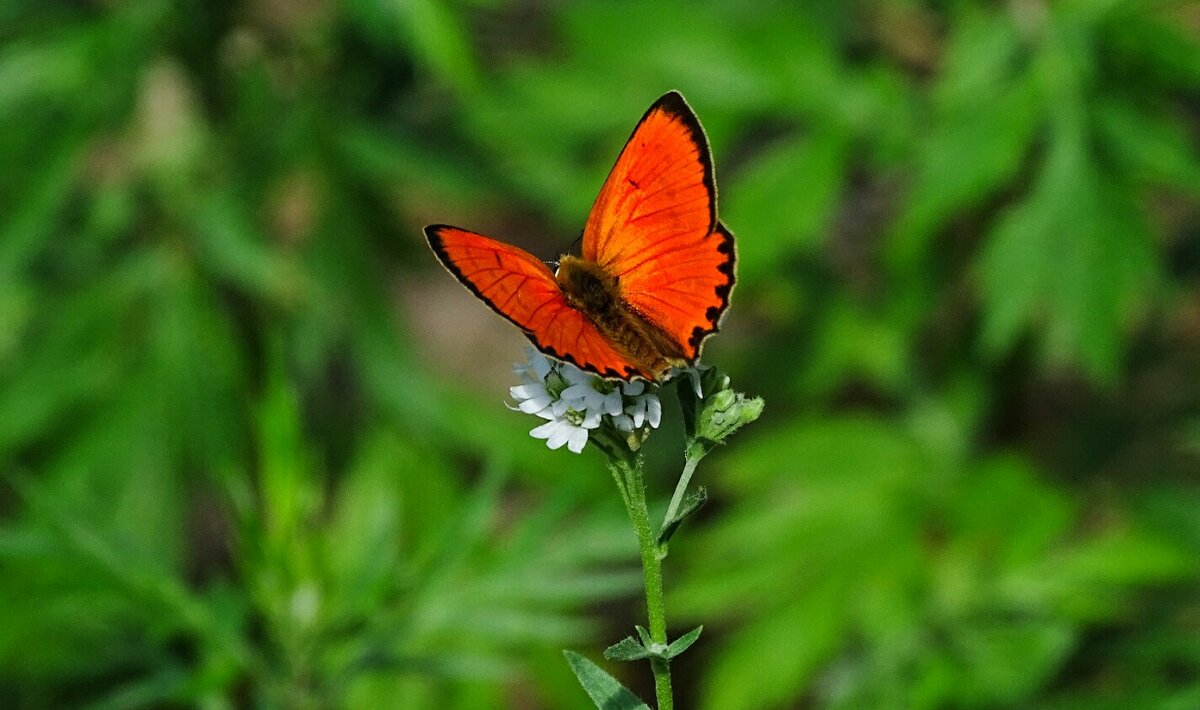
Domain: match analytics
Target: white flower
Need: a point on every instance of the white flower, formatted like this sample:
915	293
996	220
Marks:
575	402
642	408
532	398
561	431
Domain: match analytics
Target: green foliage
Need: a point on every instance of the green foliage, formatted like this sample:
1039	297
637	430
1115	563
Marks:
959	582
237	465
603	689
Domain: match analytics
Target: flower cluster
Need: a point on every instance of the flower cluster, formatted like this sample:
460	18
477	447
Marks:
576	403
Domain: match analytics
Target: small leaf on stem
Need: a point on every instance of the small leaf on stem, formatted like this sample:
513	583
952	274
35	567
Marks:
627	649
684	642
644	635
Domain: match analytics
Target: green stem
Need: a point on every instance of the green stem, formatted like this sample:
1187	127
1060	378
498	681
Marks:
691	460
639	514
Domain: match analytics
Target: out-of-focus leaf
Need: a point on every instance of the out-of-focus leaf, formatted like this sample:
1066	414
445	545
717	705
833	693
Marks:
1154	43
1153	147
854	344
961	576
1010	659
983	122
785	200
776	655
1075	259
433	28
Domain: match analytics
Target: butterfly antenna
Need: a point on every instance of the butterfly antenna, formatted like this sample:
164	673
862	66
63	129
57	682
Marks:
578	240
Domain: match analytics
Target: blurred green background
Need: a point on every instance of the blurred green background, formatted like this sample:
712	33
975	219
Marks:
253	451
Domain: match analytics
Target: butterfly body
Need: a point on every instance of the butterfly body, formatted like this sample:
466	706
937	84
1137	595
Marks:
656	268
591	290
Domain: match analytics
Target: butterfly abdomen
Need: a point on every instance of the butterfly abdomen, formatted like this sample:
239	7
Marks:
591	290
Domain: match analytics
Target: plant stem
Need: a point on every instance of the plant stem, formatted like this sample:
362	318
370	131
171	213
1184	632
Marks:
691	459
639	514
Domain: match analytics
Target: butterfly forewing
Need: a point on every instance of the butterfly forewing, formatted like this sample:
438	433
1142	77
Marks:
654	227
515	284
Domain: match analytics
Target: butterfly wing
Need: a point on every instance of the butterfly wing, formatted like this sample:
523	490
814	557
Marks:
654	226
515	284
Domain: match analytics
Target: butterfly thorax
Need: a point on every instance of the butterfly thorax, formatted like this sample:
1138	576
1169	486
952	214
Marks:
588	287
591	290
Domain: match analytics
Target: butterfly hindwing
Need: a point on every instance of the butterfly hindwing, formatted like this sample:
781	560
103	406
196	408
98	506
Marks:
518	286
654	225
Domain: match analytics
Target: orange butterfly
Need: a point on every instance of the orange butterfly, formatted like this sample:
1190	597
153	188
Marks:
656	270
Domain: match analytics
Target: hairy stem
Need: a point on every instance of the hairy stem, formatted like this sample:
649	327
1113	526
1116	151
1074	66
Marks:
639	514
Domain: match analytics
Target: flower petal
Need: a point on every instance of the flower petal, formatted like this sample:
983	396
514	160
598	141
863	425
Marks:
545	431
583	391
561	435
613	403
577	440
540	364
591	420
574	375
537	404
529	391
637	411
653	410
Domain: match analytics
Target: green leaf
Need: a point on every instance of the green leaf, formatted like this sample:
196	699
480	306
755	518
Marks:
1150	146
961	160
1009	660
684	642
791	192
627	649
1073	261
603	689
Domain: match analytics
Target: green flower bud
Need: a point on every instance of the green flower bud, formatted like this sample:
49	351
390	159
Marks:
725	412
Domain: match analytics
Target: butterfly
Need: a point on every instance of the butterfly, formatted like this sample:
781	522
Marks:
656	267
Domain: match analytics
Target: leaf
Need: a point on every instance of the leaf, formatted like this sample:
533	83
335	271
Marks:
774	658
603	689
1007	661
627	649
791	192
961	160
1072	260
684	642
1158	51
1150	146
